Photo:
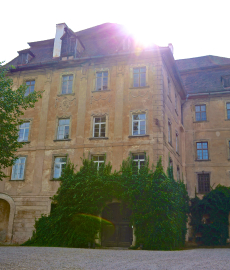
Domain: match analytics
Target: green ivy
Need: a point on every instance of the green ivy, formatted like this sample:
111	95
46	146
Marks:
209	216
159	206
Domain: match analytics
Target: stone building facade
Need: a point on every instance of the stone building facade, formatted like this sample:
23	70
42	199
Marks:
105	95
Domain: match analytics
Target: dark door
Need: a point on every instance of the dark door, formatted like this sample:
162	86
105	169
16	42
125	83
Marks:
117	232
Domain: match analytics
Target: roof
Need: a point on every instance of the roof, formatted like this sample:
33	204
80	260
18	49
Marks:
101	40
204	74
207	61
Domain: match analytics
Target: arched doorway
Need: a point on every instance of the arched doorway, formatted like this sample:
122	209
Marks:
117	232
4	219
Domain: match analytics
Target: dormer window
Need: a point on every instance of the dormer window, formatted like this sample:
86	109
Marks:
68	46
225	81
25	57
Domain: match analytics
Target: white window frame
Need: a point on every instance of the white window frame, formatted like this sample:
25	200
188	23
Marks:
102	80
177	142
98	162
25	128
138	121
58	129
139	78
61	167
100	124
23	164
67	92
29	86
139	160
170	132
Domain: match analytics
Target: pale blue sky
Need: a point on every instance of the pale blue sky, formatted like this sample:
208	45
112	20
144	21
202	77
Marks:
195	28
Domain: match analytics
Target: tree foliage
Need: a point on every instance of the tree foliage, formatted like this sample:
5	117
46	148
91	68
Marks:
12	106
159	206
209	216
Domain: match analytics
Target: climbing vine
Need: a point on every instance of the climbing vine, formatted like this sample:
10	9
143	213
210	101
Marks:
209	216
159	206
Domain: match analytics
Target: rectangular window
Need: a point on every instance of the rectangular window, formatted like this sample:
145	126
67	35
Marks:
102	81
202	150
169	132
139	161
63	129
169	87
18	169
177	142
99	124
59	165
228	110
139	124
176	102
139	77
203	183
67	84
200	112
99	160
23	133
178	173
30	87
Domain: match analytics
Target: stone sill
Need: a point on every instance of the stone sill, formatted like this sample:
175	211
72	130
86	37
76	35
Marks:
200	121
17	179
100	91
98	138
137	136
202	159
62	140
140	87
71	94
26	142
55	179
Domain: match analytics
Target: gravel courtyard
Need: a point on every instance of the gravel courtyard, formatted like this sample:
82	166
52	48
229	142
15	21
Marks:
100	259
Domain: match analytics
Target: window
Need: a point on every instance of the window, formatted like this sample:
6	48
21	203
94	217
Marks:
139	161
59	165
18	169
203	183
63	129
228	110
99	124
139	124
99	160
139	77
178	173
169	132
176	102
67	84
30	87
177	142
68	46
169	87
200	112
226	81
202	150
23	133
102	81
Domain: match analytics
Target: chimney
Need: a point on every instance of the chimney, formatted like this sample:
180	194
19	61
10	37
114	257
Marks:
171	47
60	29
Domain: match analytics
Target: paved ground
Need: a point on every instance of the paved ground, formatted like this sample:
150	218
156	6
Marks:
107	259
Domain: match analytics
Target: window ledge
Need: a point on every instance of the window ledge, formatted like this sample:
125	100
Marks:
25	142
200	121
139	87
55	179
98	138
136	136
71	94
17	179
202	159
226	119
99	91
62	140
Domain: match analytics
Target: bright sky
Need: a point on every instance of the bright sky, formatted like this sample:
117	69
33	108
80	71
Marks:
195	28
